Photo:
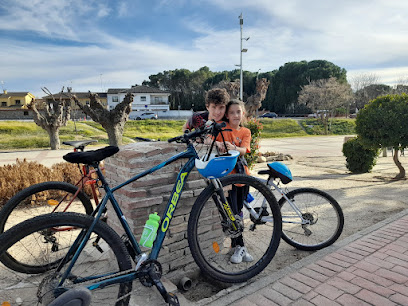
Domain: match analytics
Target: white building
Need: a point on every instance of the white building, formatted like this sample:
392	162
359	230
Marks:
145	99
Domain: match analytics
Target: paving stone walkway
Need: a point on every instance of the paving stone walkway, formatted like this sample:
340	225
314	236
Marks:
369	268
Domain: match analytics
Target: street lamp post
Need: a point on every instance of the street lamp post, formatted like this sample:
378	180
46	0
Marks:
241	50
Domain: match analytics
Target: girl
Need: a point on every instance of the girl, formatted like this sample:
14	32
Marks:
239	139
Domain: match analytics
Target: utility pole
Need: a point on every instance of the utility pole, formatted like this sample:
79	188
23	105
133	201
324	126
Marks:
241	50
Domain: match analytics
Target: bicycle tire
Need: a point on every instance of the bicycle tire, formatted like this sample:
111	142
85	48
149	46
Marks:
314	204
210	245
25	239
32	201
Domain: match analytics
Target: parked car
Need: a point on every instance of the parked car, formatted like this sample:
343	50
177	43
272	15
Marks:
269	115
144	116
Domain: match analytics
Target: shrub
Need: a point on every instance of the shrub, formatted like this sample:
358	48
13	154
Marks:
23	174
255	126
359	159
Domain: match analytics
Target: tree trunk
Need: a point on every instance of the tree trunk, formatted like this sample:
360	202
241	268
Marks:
115	135
325	123
401	174
53	133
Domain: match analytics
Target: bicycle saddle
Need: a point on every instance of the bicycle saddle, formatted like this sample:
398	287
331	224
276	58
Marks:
278	170
90	157
79	144
73	297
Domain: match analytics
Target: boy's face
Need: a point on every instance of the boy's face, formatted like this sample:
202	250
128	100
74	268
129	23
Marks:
216	111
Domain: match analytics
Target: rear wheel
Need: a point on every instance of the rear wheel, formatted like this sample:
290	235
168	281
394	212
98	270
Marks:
322	214
104	254
212	242
43	198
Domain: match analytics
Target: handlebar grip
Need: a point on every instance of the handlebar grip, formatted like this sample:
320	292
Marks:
219	126
173	139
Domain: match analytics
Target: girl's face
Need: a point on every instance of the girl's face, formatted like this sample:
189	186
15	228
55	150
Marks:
216	112
235	115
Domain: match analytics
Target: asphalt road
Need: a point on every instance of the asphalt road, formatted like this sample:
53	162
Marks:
295	146
305	146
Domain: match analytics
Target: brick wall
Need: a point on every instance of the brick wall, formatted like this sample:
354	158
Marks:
151	193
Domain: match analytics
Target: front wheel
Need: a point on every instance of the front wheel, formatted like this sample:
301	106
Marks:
38	242
322	223
212	242
36	200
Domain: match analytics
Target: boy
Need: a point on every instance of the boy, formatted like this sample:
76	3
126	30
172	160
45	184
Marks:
216	101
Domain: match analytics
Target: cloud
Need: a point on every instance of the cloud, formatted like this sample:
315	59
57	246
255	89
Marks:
82	39
51	18
349	33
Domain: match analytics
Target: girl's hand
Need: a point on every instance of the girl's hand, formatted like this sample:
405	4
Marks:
221	146
230	146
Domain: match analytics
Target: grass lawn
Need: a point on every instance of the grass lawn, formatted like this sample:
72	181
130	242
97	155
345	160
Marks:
27	135
275	128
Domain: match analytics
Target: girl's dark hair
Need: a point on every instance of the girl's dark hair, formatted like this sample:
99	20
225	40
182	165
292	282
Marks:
236	102
218	96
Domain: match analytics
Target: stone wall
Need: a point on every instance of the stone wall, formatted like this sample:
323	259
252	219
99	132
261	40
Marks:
151	193
16	114
28	114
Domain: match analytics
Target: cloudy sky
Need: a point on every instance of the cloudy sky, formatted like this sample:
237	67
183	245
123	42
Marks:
100	44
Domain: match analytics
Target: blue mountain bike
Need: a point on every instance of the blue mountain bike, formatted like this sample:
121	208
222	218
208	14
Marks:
56	252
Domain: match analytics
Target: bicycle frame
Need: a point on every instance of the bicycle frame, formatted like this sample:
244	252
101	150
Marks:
270	182
86	179
83	237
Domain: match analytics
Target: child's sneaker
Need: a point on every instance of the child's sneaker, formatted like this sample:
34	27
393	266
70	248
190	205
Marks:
241	254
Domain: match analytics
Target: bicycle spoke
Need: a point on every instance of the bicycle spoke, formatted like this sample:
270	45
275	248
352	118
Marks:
216	243
321	220
33	249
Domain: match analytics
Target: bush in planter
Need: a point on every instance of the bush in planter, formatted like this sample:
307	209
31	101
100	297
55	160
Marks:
359	159
256	127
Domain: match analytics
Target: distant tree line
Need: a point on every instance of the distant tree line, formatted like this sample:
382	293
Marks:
187	87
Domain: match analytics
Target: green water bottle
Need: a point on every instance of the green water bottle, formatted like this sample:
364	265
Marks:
150	230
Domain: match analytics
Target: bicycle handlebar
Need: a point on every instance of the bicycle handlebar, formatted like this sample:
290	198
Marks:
210	127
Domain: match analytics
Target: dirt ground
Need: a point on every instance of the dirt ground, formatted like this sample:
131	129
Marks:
365	199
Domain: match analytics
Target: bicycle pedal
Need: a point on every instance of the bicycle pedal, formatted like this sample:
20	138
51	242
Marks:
96	245
172	299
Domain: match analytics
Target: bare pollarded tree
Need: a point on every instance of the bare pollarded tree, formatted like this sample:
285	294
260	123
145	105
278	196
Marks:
112	121
360	84
254	102
401	85
325	95
55	115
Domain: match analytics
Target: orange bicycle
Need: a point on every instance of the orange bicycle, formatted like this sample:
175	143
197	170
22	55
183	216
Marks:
54	196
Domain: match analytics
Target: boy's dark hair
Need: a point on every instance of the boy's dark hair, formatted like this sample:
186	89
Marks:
218	96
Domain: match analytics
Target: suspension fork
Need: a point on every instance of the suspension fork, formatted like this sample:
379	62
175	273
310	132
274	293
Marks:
224	207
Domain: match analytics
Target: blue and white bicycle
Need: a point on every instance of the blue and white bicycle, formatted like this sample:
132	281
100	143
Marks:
311	218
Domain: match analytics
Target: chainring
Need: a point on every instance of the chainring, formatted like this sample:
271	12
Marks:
145	267
46	292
